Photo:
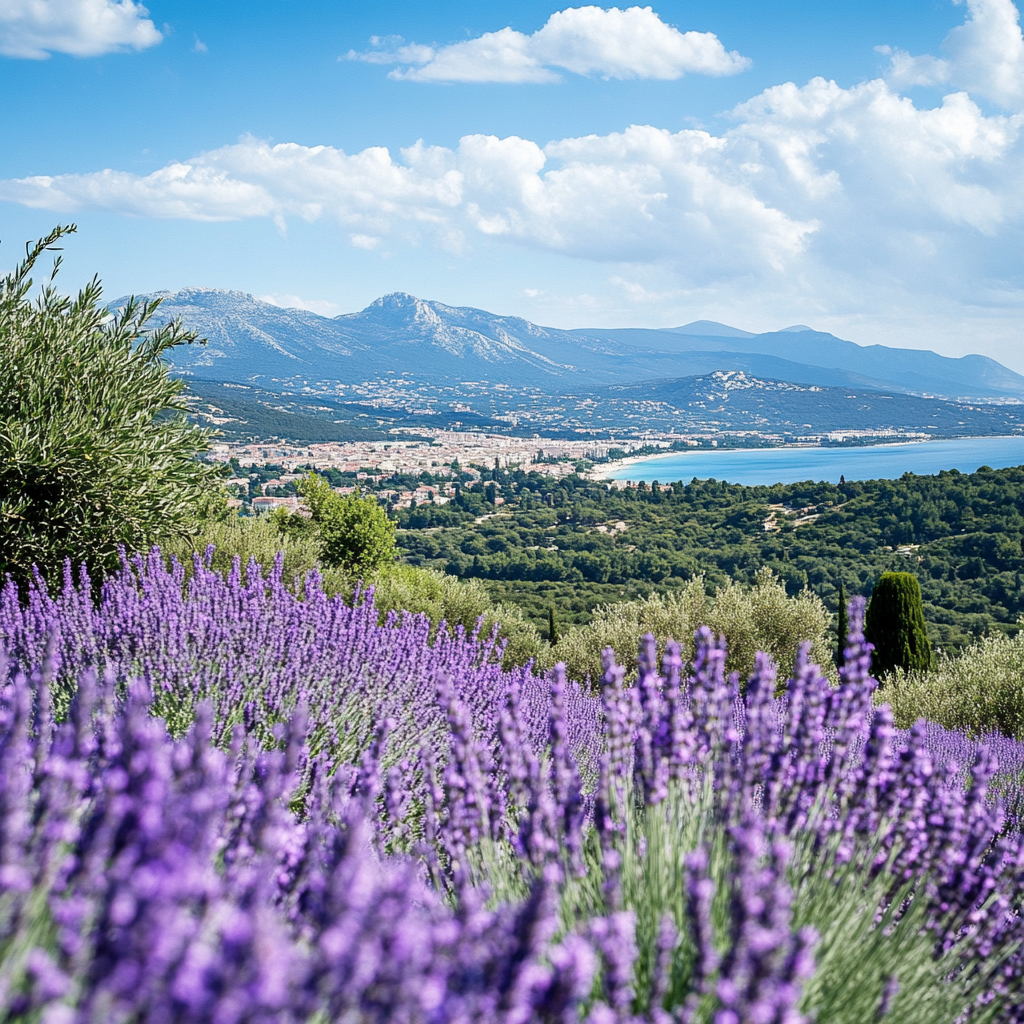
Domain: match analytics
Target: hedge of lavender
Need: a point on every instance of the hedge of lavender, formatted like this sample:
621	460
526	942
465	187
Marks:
220	802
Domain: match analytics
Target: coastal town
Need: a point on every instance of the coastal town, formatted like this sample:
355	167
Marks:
434	463
431	465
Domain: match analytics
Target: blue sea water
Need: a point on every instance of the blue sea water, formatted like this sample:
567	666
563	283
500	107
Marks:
790	465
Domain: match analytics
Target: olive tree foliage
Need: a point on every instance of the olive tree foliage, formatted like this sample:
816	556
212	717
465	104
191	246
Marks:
356	534
756	618
95	449
976	691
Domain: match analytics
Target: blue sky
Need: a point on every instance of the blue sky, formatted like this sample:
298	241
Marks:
757	163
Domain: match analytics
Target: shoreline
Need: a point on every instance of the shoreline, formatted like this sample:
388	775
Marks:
605	471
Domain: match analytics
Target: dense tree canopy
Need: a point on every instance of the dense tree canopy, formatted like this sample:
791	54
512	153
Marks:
577	544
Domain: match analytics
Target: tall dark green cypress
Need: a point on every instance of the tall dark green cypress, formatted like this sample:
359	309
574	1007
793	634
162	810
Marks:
552	626
843	625
895	625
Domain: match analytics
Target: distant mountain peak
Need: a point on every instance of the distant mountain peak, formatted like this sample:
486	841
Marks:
397	300
710	329
796	329
192	292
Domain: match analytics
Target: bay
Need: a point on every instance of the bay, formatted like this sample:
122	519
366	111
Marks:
788	465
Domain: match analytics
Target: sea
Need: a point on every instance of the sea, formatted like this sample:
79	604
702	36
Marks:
789	465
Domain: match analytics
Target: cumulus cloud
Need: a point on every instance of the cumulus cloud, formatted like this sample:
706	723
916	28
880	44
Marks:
832	195
643	194
987	52
186	191
907	70
811	181
986	56
613	43
34	29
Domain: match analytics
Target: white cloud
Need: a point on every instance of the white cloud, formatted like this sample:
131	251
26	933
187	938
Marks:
186	191
986	56
323	307
613	43
634	43
502	56
34	29
642	194
906	70
396	51
987	52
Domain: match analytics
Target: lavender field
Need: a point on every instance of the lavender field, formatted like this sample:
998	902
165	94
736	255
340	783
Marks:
221	802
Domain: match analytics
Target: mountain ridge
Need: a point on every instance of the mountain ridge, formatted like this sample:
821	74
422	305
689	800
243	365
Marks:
401	335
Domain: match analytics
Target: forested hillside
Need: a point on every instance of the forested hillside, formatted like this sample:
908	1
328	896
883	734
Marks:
576	543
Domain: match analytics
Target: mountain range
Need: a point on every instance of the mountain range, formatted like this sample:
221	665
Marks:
428	343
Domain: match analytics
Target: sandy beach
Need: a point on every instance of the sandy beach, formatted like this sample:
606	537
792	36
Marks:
607	470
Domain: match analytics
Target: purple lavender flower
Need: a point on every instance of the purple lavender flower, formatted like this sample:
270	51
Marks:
242	805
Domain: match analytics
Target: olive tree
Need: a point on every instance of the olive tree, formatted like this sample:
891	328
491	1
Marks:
95	449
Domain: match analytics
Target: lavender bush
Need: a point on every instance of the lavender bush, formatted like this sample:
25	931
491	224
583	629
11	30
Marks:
219	802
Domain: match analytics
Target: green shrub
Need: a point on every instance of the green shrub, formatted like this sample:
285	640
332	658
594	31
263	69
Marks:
459	603
95	449
895	625
251	537
356	535
757	618
976	691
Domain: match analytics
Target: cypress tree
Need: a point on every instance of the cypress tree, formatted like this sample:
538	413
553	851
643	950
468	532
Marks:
552	626
895	625
843	626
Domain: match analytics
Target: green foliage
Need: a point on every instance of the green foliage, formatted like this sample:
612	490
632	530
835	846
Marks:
95	450
959	533
894	623
252	538
464	603
978	690
355	533
552	627
761	617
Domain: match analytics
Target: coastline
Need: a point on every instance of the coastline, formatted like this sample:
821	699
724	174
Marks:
612	471
609	468
605	470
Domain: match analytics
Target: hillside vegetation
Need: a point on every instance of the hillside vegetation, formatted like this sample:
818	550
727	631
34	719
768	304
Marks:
577	544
